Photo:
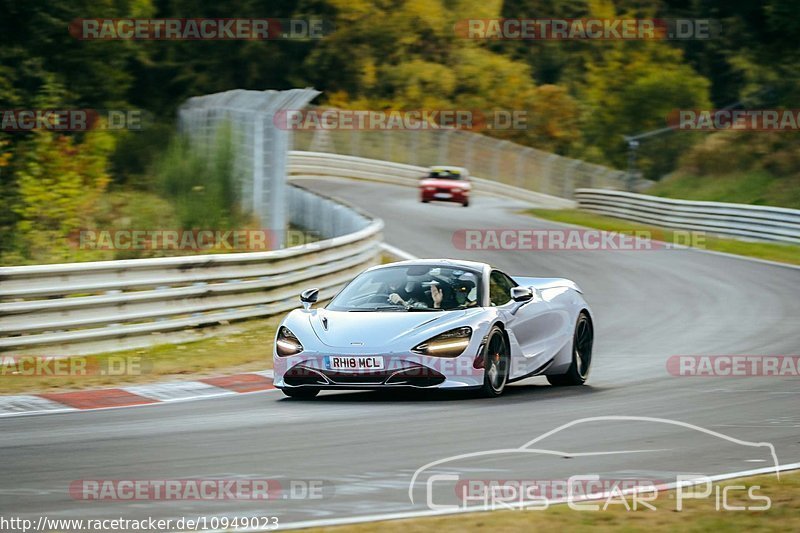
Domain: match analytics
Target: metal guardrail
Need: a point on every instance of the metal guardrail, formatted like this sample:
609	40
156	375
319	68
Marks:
503	161
738	220
318	164
88	307
78	308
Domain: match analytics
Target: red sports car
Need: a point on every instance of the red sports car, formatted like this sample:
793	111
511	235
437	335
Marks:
446	184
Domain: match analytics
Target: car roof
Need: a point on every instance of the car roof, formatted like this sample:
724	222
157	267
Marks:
448	168
472	265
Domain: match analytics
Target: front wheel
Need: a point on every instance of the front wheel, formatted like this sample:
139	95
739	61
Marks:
495	364
303	392
582	342
466	204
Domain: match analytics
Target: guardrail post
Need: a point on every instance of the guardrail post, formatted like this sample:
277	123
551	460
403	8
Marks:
470	152
258	167
498	152
521	168
550	163
275	149
387	147
355	139
444	145
569	178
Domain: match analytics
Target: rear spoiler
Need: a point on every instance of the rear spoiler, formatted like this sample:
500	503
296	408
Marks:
547	283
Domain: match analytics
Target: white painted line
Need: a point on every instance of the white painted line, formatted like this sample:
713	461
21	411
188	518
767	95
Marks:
186	391
175	390
328	522
402	254
24	403
66	409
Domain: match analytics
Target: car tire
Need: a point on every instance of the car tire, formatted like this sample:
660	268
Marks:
495	364
302	392
465	204
582	341
424	201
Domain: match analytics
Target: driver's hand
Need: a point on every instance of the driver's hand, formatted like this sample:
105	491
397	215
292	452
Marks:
395	299
436	294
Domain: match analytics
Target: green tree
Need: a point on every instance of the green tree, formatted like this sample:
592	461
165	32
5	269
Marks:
632	90
59	182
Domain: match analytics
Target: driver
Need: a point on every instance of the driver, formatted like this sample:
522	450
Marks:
396	287
409	301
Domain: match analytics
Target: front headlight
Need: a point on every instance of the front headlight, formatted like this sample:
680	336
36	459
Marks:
287	344
448	344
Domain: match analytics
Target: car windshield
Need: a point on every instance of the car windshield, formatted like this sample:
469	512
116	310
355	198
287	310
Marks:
446	175
410	288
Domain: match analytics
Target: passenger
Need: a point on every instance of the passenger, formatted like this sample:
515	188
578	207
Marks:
466	290
437	295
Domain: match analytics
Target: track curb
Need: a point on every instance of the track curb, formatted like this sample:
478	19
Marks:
135	395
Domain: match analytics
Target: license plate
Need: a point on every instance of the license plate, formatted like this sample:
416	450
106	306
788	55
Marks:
442	195
368	362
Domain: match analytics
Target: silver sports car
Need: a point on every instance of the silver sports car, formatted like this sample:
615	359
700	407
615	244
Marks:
436	323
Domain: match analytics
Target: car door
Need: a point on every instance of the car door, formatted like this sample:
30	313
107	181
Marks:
532	325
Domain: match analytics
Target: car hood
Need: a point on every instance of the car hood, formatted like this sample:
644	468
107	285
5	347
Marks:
446	183
342	329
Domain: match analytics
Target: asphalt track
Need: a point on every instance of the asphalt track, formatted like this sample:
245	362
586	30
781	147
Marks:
648	305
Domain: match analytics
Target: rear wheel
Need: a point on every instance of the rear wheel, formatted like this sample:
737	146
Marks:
582	342
425	201
495	364
466	204
302	392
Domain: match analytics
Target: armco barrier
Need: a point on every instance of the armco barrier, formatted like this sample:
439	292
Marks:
313	164
89	307
737	220
80	308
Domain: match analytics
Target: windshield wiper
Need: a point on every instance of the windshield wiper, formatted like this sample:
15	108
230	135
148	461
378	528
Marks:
411	309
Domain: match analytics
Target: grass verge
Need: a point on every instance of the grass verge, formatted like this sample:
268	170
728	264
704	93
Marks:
785	253
248	347
698	515
752	187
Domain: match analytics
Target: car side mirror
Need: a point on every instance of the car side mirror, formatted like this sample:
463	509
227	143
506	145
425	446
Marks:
521	294
308	297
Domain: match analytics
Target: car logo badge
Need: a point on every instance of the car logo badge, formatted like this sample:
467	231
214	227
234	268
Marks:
356	344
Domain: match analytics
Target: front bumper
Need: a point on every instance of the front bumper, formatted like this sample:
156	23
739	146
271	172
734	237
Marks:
399	371
444	195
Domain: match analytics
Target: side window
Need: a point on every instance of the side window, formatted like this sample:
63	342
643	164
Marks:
499	288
